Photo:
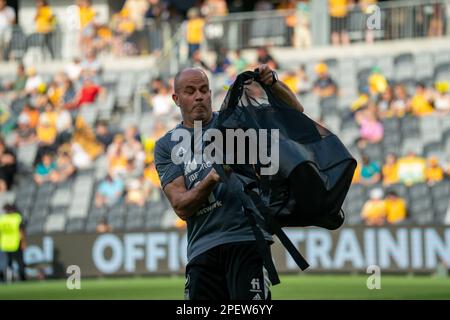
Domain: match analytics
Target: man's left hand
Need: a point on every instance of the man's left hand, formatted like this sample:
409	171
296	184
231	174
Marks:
265	74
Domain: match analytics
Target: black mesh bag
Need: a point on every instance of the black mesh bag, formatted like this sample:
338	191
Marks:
315	169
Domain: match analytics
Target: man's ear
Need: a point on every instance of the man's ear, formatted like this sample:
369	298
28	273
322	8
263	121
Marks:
175	99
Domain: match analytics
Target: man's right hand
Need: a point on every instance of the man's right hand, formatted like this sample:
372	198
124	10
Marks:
213	175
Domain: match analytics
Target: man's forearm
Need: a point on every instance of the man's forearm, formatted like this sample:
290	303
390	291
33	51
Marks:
282	91
190	202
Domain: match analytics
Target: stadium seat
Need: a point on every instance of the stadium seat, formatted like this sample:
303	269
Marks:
421	210
391	125
26	156
435	149
424	65
35	226
418	191
410	125
374	152
353	210
441	190
411	144
75	225
441	207
61	197
386	64
55	223
39	211
404	67
399	188
348	135
18	47
441	57
333	123
442	72
391	143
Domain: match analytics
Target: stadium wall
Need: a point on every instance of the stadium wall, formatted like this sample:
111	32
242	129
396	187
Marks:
401	249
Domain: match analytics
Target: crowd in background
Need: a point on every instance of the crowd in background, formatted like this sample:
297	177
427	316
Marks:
136	27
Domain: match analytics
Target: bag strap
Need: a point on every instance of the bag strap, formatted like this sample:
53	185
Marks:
276	229
249	211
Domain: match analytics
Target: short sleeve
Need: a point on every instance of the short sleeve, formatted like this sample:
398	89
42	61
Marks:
167	170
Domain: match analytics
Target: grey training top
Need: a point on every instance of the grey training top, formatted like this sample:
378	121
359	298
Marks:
221	220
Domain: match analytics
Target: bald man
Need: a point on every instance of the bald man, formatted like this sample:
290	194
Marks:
223	262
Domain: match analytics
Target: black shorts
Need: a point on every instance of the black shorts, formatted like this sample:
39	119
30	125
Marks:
338	24
232	271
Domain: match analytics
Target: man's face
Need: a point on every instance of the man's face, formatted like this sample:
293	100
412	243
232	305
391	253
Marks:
193	96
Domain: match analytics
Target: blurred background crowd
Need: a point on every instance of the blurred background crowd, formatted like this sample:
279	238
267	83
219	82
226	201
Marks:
76	147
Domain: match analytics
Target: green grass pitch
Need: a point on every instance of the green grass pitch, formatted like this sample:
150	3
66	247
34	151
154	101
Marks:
292	287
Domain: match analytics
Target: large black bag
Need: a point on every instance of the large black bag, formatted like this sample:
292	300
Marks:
315	168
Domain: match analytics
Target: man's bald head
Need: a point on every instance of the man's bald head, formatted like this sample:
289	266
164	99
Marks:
187	73
193	95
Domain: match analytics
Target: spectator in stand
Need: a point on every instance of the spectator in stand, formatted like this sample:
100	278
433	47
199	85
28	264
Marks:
102	134
18	85
395	208
411	169
7	20
384	104
68	93
109	191
8	167
103	226
264	57
239	63
118	162
399	105
304	84
162	103
64	126
357	175
135	192
390	170
222	61
368	9
91	66
324	86
291	19
47	130
291	80
151	180
124	29
85	148
74	69
377	82
137	10
214	8
33	81
194	30
87	15
197	62
433	172
44	169
32	114
370	172
371	129
45	22
88	94
442	97
420	103
338	10
64	167
25	134
436	27
374	210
